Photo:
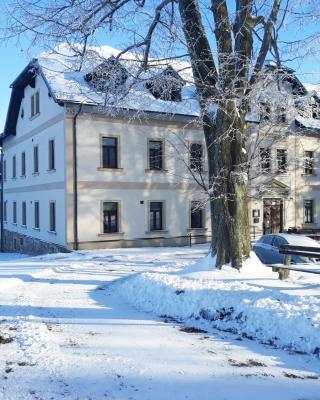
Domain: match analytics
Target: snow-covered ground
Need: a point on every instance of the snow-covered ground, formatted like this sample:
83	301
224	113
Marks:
87	325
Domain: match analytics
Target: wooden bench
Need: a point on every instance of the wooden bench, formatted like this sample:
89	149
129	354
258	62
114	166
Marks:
289	251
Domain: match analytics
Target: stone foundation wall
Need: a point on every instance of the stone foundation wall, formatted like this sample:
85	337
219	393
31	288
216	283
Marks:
149	242
17	243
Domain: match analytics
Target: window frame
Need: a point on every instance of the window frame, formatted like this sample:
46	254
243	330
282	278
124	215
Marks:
36	164
306	219
14	212
5	211
23	164
24	213
36	215
117	152
52	221
279	169
162	220
198	168
4	170
35	104
162	159
51	155
118	220
262	161
14	167
308	167
202	215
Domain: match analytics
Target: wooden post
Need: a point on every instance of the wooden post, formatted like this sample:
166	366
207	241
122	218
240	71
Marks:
284	272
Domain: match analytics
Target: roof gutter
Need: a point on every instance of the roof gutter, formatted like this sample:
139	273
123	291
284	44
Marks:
75	180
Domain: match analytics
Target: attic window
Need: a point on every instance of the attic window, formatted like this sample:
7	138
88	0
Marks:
167	85
22	113
108	76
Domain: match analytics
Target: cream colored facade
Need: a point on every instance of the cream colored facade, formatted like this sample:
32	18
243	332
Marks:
133	185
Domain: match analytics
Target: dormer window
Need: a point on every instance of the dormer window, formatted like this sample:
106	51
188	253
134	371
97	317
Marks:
167	85
35	104
108	76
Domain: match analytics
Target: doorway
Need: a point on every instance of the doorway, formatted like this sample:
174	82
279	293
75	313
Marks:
272	216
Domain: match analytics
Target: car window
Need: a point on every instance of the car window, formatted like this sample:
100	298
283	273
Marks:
268	239
278	241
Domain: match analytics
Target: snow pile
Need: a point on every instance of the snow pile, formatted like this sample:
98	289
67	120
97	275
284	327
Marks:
252	302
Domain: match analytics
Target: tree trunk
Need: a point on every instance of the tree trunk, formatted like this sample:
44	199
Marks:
227	164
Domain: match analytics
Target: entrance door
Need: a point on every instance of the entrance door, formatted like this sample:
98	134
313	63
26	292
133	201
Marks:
272	216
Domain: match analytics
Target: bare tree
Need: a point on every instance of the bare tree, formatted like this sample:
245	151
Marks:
227	43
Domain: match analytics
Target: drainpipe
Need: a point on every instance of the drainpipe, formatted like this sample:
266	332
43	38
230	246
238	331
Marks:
75	180
1	205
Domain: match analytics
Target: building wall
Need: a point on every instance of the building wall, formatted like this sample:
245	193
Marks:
46	185
297	185
133	185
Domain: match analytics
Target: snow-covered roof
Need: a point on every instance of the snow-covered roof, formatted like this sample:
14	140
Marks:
313	88
65	73
309	123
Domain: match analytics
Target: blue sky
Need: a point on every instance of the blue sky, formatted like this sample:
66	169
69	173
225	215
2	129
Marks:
14	59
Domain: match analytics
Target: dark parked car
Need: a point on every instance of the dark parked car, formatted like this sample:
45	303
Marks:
267	247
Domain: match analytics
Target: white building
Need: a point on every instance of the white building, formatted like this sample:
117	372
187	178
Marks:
76	176
82	170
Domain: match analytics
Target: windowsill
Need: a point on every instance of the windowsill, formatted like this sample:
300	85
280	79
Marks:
14	179
309	223
105	169
36	229
114	234
24	226
35	174
23	176
52	232
14	223
157	231
155	170
51	171
197	229
34	116
309	175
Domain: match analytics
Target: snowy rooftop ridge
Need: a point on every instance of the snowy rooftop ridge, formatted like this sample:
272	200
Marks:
65	73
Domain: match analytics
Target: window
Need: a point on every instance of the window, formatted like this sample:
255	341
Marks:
14	212
281	115
36	215
14	167
282	160
308	211
196	155
23	164
36	160
24	213
5	211
308	162
109	152
35	104
196	220
4	169
51	165
110	217
155	154
265	159
265	112
156	216
52	216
